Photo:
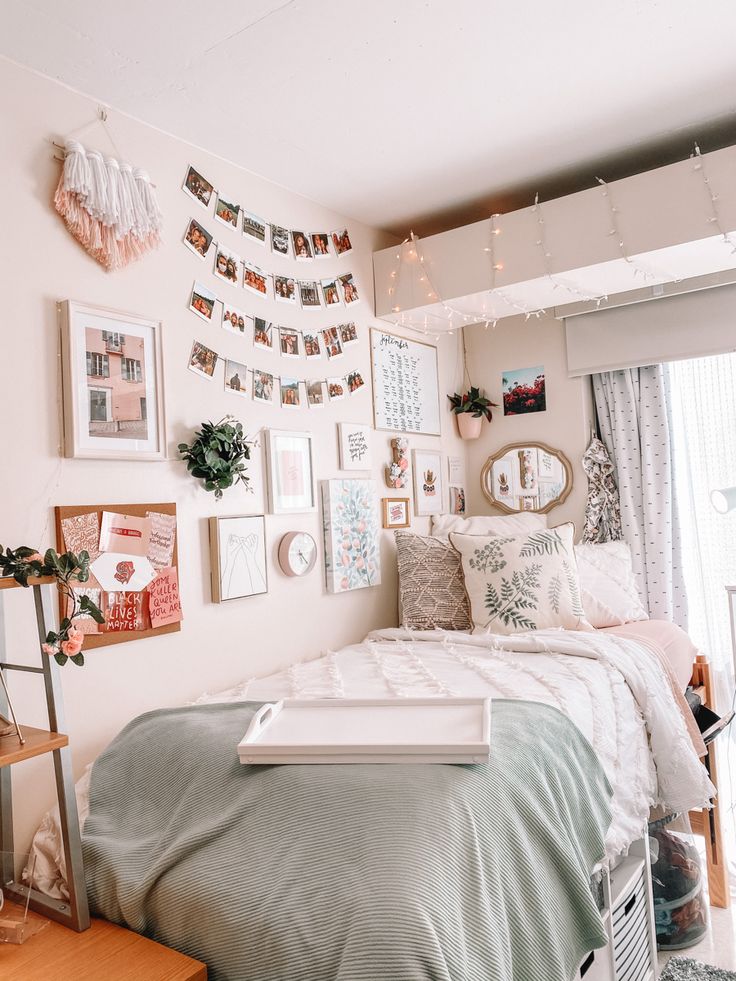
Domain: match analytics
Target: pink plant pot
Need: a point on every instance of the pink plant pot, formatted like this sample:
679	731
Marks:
468	426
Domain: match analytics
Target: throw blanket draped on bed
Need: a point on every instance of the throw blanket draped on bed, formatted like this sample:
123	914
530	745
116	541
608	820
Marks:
351	873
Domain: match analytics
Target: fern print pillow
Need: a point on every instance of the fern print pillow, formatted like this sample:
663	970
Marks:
521	583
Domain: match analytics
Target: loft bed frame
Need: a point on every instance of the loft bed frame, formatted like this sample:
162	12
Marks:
707	822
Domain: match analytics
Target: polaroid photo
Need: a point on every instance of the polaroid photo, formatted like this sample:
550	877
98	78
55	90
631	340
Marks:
235	376
262	333
309	295
312	347
255	279
227	265
226	212
330	292
349	289
355	382
279	240
202	301
302	246
202	360
197	238
335	389
315	394
254	227
331	339
197	187
284	289
348	334
262	386
288	343
289	393
233	320
341	242
320	245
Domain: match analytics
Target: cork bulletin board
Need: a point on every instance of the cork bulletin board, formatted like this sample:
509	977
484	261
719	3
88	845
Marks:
127	612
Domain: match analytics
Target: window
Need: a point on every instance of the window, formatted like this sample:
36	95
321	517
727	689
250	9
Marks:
113	341
98	405
98	365
130	370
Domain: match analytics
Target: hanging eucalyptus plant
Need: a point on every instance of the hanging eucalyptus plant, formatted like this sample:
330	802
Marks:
217	455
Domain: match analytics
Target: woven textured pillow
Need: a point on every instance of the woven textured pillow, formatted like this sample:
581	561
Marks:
431	587
607	584
528	582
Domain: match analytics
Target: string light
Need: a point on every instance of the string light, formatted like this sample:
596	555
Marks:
715	218
557	281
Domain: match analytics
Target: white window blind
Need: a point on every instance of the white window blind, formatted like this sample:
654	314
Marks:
674	328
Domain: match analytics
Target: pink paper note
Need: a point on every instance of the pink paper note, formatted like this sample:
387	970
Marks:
163	536
164	605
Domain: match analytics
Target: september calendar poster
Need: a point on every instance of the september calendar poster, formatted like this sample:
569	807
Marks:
405	384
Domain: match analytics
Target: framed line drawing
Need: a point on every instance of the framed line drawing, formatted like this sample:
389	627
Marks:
112	384
290	471
238	557
405	376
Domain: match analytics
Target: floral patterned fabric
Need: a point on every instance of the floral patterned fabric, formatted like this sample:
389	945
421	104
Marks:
603	507
528	582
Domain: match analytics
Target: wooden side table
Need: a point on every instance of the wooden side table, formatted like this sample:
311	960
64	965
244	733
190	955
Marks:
104	951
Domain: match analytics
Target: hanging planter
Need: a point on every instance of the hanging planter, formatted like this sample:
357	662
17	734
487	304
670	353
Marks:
218	454
470	409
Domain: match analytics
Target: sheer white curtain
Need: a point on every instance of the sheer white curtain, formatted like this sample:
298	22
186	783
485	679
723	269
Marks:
702	397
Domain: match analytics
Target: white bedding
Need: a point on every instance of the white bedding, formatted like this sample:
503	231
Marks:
613	689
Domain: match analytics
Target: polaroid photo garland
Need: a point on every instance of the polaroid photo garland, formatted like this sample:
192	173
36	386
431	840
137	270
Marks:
267	387
304	246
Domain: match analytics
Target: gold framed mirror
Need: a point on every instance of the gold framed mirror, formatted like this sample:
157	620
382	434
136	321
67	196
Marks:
526	477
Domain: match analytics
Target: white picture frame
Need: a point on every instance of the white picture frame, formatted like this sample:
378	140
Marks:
290	471
354	440
238	557
428	473
119	413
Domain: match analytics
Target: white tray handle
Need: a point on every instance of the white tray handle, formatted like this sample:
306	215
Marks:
263	718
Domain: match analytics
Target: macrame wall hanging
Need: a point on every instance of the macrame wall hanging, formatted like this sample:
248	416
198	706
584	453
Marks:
108	206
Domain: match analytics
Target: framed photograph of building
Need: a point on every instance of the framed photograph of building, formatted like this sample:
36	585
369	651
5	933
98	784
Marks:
290	470
112	384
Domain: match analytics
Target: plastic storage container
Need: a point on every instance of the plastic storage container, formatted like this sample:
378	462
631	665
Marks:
680	907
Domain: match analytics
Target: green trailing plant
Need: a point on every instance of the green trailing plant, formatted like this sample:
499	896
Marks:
472	401
25	564
217	456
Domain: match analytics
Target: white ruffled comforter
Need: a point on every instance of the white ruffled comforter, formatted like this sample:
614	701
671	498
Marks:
613	689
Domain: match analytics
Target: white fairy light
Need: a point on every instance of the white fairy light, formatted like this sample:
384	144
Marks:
715	217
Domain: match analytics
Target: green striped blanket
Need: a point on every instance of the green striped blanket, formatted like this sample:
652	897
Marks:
351	873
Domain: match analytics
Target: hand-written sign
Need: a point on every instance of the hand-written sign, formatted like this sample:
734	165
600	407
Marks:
405	384
357	446
164	605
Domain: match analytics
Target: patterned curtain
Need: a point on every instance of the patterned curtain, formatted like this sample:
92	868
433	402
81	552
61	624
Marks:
603	508
635	424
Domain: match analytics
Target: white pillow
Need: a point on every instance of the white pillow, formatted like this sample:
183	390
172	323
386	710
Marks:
607	584
520	583
486	524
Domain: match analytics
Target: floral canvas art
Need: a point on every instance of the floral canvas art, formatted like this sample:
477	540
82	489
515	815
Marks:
524	391
352	556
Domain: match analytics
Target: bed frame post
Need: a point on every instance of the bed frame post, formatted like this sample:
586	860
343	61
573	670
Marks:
708	822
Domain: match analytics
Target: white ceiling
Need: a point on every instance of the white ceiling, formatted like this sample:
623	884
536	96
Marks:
391	111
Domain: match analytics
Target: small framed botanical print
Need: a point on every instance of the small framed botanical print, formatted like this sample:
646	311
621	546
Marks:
238	557
428	486
290	471
396	512
112	384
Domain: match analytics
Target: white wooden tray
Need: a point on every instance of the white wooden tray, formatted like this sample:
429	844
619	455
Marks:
368	730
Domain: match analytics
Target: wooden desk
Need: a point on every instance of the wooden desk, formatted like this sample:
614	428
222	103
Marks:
105	951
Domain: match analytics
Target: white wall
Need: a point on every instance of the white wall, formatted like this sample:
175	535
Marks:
520	343
41	263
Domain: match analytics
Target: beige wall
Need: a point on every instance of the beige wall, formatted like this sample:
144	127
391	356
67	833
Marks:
518	343
41	263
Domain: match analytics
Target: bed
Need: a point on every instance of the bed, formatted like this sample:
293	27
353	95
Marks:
335	873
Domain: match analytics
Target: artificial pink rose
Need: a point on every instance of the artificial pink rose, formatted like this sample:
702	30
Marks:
71	647
36	557
48	649
403	463
74	634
